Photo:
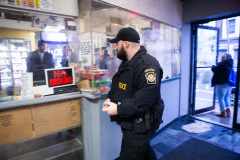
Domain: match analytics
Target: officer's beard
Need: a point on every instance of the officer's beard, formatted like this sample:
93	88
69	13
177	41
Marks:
122	54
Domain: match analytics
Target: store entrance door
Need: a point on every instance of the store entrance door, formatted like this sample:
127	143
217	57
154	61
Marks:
236	115
210	41
206	53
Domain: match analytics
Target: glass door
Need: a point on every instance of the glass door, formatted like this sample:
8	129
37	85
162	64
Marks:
236	115
206	52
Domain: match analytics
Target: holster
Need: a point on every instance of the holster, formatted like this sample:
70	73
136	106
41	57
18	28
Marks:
143	122
139	124
148	119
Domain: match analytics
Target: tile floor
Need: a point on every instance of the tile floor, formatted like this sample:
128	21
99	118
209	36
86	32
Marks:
211	117
175	135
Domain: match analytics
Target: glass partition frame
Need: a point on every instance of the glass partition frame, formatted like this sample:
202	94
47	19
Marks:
101	23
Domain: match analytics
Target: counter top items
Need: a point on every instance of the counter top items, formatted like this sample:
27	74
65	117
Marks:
13	104
97	79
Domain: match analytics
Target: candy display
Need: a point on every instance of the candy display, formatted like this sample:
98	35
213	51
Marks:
98	79
38	83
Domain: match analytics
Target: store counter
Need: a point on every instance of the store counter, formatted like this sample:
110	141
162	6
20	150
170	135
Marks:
46	99
39	117
25	119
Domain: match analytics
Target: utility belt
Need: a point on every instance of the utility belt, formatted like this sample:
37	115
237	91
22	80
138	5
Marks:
145	122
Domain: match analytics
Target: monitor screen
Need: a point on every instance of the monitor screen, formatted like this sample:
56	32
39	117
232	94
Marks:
59	77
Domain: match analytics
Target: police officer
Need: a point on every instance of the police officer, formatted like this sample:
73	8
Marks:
134	100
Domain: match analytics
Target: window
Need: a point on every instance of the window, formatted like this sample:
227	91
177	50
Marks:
231	25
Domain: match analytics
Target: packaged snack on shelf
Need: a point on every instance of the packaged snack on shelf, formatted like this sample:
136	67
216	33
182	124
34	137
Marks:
95	74
98	79
101	85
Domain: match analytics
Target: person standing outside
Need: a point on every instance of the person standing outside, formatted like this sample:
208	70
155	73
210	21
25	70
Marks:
64	62
104	60
134	100
39	60
220	81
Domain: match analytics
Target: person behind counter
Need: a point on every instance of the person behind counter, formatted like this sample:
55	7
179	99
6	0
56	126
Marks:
64	61
104	60
38	61
134	100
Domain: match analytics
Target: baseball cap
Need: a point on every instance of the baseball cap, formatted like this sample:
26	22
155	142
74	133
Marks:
126	34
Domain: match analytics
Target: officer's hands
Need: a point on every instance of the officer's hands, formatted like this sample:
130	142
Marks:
105	103
110	108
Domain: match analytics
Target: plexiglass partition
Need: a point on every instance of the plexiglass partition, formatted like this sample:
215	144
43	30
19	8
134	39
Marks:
100	22
22	69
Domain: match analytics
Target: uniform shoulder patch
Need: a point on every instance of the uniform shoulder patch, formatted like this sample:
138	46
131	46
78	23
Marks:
150	70
150	76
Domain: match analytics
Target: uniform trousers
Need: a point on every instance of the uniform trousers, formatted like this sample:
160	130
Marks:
135	146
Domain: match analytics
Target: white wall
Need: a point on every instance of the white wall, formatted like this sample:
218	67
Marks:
185	68
167	11
195	9
170	95
14	24
64	7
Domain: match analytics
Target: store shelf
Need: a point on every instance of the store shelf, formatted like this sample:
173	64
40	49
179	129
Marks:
18	51
5	71
3	85
6	77
12	51
51	146
18	62
16	56
13	60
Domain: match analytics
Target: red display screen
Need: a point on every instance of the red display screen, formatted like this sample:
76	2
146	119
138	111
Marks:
59	77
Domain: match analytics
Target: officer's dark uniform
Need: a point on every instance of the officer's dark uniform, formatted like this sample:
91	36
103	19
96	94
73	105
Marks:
136	90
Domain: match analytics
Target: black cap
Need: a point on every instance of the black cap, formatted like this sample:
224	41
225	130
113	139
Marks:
126	34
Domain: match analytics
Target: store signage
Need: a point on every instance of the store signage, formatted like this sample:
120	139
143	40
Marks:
48	23
34	4
60	77
70	24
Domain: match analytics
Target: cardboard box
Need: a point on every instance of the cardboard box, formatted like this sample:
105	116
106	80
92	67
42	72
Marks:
15	125
85	84
56	116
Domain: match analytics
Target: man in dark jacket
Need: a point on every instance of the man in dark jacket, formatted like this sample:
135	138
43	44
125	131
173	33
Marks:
38	61
134	100
220	81
64	61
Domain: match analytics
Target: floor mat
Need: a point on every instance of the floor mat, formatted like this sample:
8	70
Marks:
200	150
